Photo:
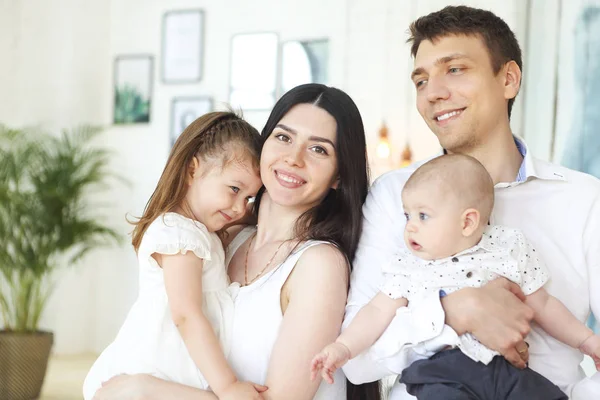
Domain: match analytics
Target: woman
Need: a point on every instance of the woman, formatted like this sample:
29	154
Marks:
292	269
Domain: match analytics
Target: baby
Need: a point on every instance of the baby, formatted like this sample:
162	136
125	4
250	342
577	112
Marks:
448	202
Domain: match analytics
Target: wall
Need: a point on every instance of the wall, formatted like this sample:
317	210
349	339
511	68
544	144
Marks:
58	72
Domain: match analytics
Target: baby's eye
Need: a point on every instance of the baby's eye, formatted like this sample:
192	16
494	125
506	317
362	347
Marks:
423	216
406	216
235	189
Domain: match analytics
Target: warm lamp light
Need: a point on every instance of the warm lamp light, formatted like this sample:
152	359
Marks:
383	149
406	158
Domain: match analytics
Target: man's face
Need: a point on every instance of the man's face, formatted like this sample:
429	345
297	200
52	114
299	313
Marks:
458	95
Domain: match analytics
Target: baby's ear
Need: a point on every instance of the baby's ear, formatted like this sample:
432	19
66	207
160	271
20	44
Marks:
471	220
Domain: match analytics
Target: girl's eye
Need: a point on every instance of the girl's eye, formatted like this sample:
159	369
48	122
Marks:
423	216
406	216
319	150
235	189
282	138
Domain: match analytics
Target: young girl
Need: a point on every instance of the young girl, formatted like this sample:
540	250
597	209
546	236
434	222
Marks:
447	203
178	329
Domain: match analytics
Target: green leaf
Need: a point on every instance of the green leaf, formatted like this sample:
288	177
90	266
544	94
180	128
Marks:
46	215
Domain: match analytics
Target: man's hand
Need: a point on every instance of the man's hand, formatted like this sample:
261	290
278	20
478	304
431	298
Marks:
496	315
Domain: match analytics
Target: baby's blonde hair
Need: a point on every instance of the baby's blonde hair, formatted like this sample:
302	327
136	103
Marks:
460	176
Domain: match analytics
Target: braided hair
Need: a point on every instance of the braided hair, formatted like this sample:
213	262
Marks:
216	136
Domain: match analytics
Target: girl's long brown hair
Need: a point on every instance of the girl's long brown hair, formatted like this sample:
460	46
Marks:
216	134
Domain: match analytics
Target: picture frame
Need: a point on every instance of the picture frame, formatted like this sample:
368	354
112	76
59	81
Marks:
133	77
182	46
185	110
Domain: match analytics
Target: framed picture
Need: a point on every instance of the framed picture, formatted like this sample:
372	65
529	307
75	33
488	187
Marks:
185	110
133	89
182	46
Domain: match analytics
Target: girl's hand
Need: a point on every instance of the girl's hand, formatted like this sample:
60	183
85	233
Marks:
123	387
243	391
328	361
591	347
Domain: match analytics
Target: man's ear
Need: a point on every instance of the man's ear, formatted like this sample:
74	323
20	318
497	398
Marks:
470	221
512	79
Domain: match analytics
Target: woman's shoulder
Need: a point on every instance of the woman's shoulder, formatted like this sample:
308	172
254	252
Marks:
322	259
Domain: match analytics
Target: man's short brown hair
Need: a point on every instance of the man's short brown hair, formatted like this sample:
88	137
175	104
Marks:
501	43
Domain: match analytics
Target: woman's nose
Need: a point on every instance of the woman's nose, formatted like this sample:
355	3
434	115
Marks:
294	157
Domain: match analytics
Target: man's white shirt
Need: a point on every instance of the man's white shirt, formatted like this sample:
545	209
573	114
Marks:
557	209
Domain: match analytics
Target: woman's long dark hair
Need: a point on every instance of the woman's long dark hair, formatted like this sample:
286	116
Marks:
338	218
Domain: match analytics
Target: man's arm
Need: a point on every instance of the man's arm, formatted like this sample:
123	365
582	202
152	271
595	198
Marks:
382	237
589	388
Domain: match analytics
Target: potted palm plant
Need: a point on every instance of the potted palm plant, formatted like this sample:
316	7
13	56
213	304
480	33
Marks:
45	223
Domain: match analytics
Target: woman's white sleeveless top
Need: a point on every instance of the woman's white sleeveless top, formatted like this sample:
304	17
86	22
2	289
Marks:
257	318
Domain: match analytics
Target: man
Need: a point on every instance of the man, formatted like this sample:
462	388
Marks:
467	72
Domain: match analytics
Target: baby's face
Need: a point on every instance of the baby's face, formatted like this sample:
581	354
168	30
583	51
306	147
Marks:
433	223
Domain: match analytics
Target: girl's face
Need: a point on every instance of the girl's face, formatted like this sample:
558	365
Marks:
298	164
218	195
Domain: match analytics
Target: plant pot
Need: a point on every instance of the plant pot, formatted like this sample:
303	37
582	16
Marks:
23	362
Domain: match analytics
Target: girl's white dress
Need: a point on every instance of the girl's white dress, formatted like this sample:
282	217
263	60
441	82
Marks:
149	341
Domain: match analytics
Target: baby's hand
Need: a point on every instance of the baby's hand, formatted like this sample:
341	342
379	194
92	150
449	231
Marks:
329	360
591	347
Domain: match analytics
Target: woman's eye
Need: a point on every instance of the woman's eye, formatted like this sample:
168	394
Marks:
319	150
235	189
282	138
423	216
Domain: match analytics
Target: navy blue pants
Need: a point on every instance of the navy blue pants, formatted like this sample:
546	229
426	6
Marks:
451	375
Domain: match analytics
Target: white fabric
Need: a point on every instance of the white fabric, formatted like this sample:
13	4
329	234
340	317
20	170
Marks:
257	320
149	342
502	251
557	209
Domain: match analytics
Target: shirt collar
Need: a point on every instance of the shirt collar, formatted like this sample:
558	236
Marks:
486	244
531	168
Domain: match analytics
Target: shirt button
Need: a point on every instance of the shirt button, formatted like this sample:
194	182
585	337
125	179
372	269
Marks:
454	259
469	274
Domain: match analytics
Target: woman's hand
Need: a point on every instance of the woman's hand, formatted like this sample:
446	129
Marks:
496	315
123	387
243	391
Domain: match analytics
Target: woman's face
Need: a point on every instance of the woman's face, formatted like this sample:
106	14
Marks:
298	164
